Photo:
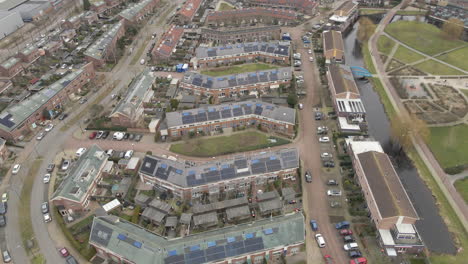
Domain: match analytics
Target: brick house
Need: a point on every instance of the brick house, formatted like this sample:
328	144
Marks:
247	16
263	240
304	6
166	45
239	35
104	49
75	191
11	67
218	176
333	47
129	111
187	11
136	12
270	52
16	120
250	83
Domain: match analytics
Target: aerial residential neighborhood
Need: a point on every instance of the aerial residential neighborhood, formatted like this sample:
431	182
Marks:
222	131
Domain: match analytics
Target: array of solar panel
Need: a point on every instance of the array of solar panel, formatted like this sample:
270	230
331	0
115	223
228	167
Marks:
197	81
101	234
289	159
215	251
258	167
6	121
211	53
149	165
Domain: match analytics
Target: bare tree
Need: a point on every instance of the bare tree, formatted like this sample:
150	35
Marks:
405	127
453	28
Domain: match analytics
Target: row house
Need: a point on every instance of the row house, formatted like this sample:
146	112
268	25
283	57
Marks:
388	203
136	12
252	15
187	11
258	242
238	35
307	7
250	83
17	120
104	49
271	52
205	120
218	176
167	44
11	67
333	47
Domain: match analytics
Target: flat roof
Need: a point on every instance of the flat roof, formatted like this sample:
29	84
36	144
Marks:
99	48
343	80
10	62
200	115
83	172
345	8
15	115
133	9
218	170
139	245
274	48
203	208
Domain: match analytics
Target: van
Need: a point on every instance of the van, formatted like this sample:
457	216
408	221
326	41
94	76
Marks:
110	152
128	154
320	240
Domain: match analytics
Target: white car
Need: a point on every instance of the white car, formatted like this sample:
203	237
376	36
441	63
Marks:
128	154
40	136
65	165
324	139
47	178
4	197
49	127
350	246
118	135
47	218
334	193
326	155
310	51
16	169
80	152
320	240
311	59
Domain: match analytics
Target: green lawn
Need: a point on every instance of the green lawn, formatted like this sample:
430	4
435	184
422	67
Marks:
385	44
411	12
406	55
238	69
462	188
457	58
465	92
225	6
214	146
436	68
450	145
368	59
424	37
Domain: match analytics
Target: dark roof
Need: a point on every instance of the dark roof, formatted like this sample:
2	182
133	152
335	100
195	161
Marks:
203	208
385	185
343	79
267	196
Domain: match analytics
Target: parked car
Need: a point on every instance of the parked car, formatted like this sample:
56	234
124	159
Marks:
309	51
320	240
128	154
318	115
62	116
121	154
65	165
324	139
16	169
46	178
350	246
47	218
329	164
2	221
3	208
92	135
326	155
6	256
322	130
126	136
355	253
332	182
40	135
45	207
313	225
335	204
49	127
131	137
64	252
71	260
348	239
110	152
252	213
99	134
334	193
328	259
358	261
105	135
83	100
308	176
80	152
118	135
138	137
50	167
311	59
346	232
4	197
342	225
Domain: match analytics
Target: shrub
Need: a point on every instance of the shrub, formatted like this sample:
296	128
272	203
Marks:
454	170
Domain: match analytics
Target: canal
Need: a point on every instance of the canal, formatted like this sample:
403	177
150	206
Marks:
431	227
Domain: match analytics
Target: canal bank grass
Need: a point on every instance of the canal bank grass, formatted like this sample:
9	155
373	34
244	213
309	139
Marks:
462	188
24	208
367	58
457	58
371	11
450	145
405	55
385	44
251	67
436	68
422	36
222	145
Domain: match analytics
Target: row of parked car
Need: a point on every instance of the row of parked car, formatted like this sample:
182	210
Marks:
116	135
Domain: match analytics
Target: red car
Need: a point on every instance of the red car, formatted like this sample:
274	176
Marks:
346	232
328	259
64	252
92	135
358	261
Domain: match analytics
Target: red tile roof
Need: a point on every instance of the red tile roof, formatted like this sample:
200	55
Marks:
168	41
250	12
189	8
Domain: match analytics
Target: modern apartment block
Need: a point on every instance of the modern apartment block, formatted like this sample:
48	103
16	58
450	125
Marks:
137	11
17	119
307	7
345	15
271	52
247	16
268	117
167	44
218	176
258	242
237	35
74	192
333	47
104	49
187	11
346	98
236	85
129	111
389	205
11	67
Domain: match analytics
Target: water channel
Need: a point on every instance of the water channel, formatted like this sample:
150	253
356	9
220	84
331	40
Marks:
431	227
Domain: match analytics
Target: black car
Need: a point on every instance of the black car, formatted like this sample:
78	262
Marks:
2	220
131	136
138	137
318	115
105	134
328	164
3	208
50	167
71	260
62	116
126	136
332	182
355	253
348	239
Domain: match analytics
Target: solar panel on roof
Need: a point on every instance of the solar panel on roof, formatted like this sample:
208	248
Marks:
172	253
137	244
213	115
178	171
211	243
228	173
268	231
258	110
179	259
192	172
231	239
237	111
226	113
255	161
272	157
249	235
121	237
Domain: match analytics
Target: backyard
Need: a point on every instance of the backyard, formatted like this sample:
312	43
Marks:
220	145
429	39
450	145
252	67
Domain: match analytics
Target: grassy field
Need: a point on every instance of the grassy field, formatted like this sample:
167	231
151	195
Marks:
225	6
385	44
411	12
429	39
462	188
407	56
457	58
238	69
368	59
450	145
436	68
214	146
